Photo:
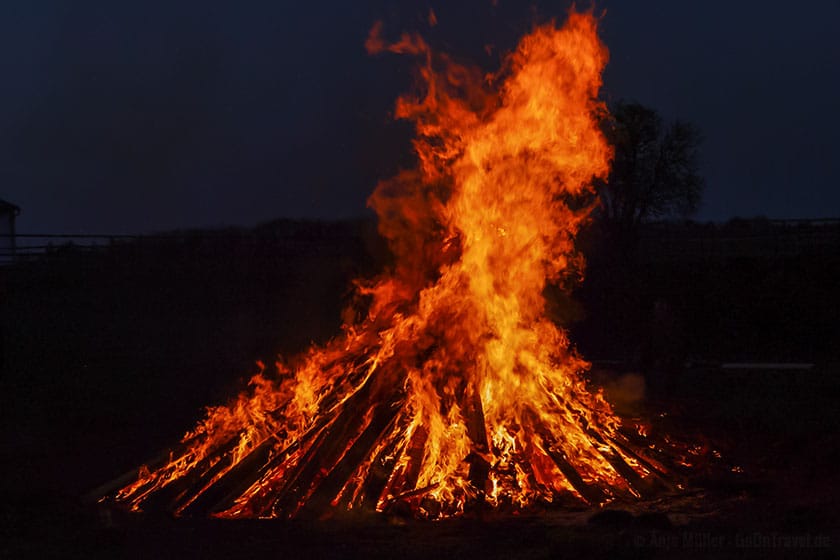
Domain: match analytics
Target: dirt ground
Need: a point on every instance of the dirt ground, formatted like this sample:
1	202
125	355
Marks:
777	431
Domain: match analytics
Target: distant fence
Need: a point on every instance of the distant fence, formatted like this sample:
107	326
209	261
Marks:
289	237
659	241
748	239
30	246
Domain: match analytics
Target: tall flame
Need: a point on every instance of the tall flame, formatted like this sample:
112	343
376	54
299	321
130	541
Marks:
455	388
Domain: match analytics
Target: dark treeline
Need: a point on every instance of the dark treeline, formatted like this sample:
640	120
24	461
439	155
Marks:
114	352
747	290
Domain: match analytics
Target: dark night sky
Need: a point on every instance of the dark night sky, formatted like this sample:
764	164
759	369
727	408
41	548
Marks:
136	117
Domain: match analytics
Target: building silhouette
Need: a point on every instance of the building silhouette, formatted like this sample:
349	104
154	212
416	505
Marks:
8	214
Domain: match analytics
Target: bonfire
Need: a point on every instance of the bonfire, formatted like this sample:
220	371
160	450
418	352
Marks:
453	390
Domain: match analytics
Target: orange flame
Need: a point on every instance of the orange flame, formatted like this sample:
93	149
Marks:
455	388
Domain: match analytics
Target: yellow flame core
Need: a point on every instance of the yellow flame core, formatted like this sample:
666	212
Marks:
456	387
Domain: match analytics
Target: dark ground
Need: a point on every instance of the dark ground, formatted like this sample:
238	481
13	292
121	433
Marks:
109	357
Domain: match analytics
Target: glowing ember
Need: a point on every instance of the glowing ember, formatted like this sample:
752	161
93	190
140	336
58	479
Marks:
455	389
